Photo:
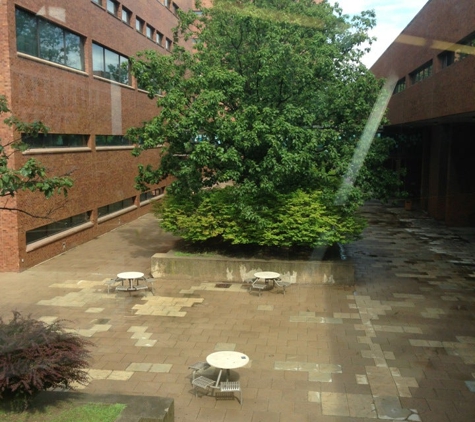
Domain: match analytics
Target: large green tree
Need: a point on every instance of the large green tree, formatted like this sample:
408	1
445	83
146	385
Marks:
32	175
260	122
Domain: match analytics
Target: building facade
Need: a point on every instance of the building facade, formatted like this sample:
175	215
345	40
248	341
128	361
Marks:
64	63
432	110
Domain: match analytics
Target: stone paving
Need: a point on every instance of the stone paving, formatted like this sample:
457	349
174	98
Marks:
397	346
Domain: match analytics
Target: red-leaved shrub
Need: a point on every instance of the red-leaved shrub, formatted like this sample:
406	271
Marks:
35	356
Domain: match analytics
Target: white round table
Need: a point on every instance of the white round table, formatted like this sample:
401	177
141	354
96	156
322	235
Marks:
227	359
267	275
131	276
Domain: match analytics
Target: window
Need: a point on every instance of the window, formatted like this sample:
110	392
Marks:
175	9
52	140
159	38
466	49
168	44
126	15
110	65
400	85
149	31
446	58
422	73
151	194
113	7
166	3
112	140
460	51
139	24
99	2
41	38
57	227
116	206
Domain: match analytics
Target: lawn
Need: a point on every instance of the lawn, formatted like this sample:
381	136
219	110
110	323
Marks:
66	411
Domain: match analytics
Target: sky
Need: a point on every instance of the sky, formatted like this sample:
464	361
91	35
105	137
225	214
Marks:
392	16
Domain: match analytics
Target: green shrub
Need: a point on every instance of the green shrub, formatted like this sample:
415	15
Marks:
35	356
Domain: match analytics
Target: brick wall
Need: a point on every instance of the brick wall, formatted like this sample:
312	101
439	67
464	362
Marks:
75	102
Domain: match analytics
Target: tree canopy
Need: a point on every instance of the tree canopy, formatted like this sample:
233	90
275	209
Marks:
260	121
32	175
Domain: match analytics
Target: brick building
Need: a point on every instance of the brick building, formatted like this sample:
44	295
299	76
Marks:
61	63
432	109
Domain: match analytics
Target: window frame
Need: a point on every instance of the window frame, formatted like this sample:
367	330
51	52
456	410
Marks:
55	140
423	72
53	229
168	44
106	56
115	5
159	38
112	141
401	85
42	45
128	15
149	30
139	25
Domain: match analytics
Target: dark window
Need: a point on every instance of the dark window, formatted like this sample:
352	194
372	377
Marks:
112	140
116	206
159	38
126	15
168	44
145	196
139	24
175	8
468	43
53	140
422	73
41	38
149	31
113	7
400	86
109	64
447	58
57	227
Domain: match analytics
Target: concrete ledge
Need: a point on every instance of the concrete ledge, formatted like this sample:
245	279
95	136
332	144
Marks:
224	269
139	408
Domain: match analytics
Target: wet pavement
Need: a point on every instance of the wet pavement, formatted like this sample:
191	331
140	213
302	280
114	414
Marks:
398	345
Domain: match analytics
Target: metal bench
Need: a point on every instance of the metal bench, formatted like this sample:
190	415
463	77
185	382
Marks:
283	284
111	283
259	286
228	387
203	383
198	367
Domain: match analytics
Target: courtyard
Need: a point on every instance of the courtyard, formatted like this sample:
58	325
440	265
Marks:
397	345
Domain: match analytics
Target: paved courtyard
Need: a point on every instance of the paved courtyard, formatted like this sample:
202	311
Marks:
399	345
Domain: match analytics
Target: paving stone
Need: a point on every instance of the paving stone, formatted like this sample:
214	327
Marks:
389	408
415	359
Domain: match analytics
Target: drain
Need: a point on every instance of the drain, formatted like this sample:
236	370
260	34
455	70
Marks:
223	285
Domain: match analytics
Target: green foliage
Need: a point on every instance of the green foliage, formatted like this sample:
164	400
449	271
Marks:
272	100
35	356
294	219
32	176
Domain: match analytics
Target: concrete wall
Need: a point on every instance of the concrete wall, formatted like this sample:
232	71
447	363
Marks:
221	269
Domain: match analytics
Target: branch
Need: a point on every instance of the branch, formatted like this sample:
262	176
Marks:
44	217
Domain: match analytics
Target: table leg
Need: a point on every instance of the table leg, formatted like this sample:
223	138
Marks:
219	377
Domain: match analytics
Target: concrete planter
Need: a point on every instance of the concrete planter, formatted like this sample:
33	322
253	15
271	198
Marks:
223	269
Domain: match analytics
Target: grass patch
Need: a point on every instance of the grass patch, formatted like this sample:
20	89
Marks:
66	411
